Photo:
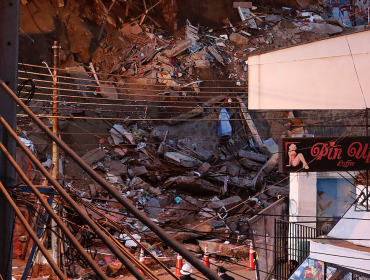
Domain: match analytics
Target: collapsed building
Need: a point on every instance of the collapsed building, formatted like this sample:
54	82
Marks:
158	107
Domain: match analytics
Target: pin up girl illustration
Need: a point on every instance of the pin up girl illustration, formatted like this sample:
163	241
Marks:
294	158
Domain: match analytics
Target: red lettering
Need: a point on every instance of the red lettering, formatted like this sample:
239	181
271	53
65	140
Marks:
346	164
318	152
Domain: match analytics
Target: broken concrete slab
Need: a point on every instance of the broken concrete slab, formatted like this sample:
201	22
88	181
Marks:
273	18
325	28
140	184
250	164
153	208
182	160
241	182
118	133
108	91
94	155
239	39
139	170
227	203
276	191
192	184
131	28
203	169
81	76
202	63
180	46
232	169
228	250
116	165
39	143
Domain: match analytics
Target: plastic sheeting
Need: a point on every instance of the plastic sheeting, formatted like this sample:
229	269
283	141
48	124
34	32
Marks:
224	126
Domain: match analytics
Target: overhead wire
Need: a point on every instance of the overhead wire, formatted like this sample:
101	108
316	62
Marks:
114	75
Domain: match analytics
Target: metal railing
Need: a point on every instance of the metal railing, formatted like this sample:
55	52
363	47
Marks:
291	246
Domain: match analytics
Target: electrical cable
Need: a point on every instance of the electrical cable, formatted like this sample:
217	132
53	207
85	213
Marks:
115	75
108	85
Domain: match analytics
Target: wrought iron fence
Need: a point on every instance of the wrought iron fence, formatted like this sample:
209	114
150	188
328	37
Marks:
291	246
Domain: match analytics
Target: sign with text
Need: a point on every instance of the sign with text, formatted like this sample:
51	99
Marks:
322	154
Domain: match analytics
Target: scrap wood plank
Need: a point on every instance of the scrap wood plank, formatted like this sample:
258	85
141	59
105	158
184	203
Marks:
250	123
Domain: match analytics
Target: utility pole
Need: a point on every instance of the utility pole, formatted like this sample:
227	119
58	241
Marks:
9	29
55	241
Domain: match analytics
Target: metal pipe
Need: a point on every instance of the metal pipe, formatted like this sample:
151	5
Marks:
47	207
74	205
33	235
115	193
55	241
93	208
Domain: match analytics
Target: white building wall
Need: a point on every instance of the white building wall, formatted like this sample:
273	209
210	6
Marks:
328	74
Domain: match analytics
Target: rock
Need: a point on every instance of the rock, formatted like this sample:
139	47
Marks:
192	184
273	18
139	170
40	143
232	169
325	28
153	208
180	46
93	191
79	38
117	166
94	156
203	169
182	160
165	200
275	191
262	197
140	184
108	91
227	203
241	182
239	39
202	63
131	28
250	164
227	250
252	156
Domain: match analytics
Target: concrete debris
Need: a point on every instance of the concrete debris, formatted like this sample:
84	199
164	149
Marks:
182	160
227	203
94	156
250	164
239	39
273	18
325	28
182	172
252	156
192	184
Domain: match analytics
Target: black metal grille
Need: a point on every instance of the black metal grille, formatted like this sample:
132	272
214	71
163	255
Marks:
291	246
